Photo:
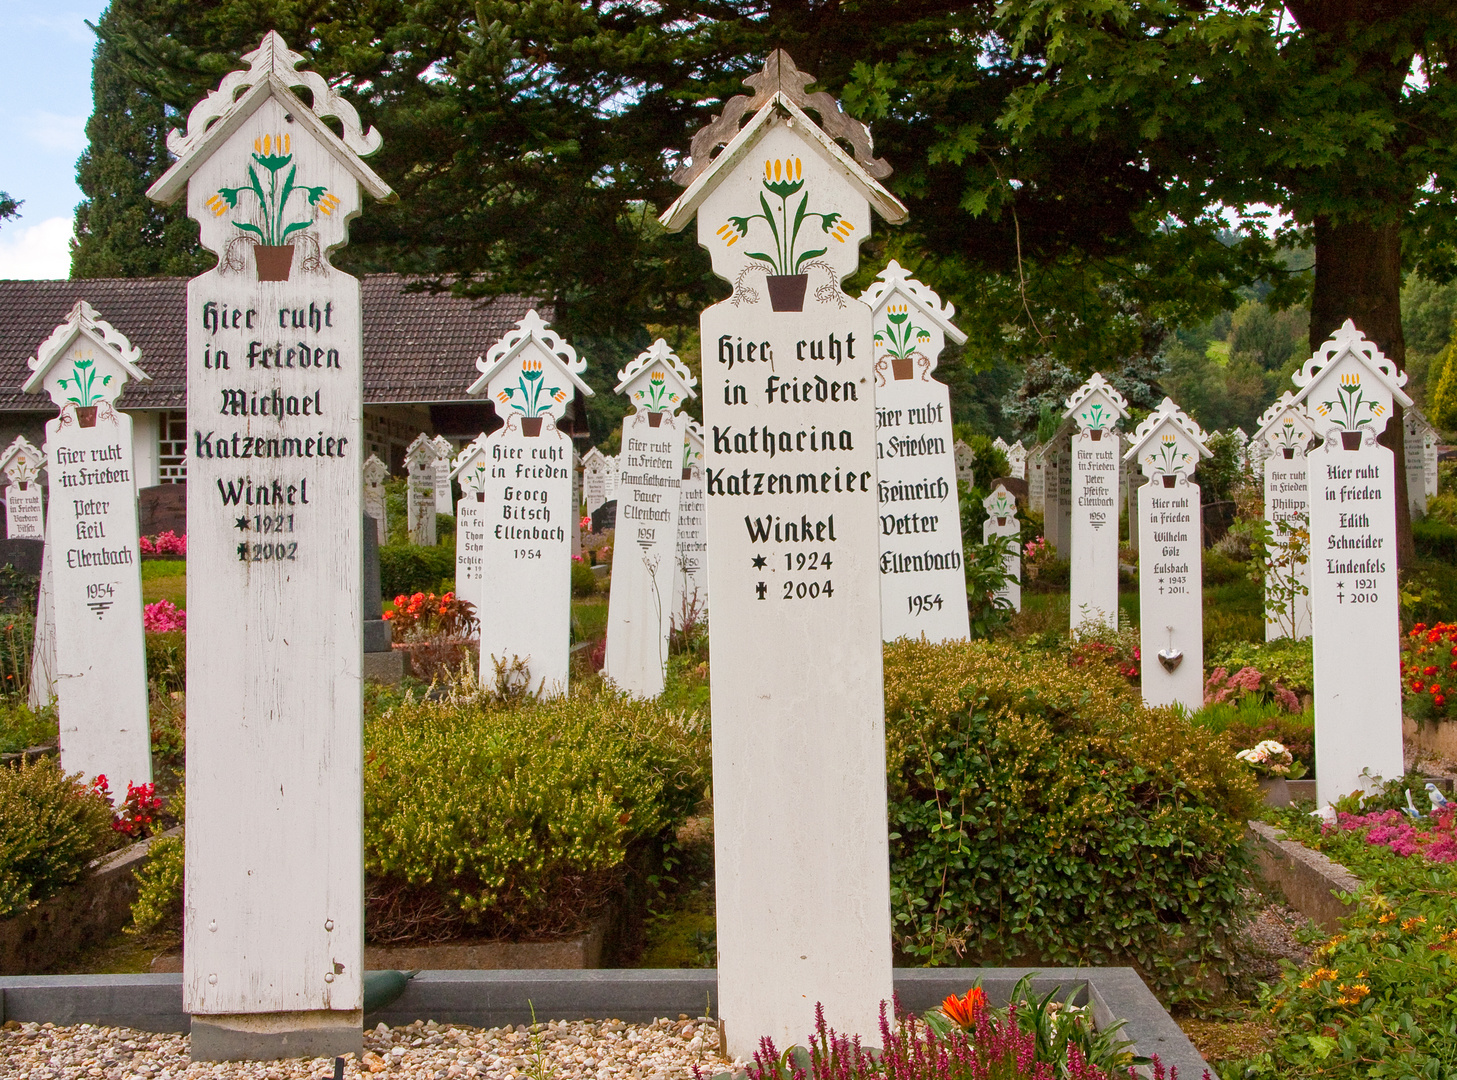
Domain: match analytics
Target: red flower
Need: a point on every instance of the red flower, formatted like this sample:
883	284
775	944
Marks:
1417	686
965	1011
1439	700
1429	670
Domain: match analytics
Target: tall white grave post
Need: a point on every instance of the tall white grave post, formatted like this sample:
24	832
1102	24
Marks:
1348	386
1421	456
1036	480
473	518
1286	431
43	646
640	605
610	475
1001	508
1242	442
24	516
1167	446
273	904
964	459
1096	408
690	583
525	609
576	529
376	472
101	662
793	544
922	571
594	479
444	461
1017	460
420	459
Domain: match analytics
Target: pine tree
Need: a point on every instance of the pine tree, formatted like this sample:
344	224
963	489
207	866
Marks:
119	231
9	207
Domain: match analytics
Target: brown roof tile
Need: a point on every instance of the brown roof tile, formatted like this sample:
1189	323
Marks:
418	346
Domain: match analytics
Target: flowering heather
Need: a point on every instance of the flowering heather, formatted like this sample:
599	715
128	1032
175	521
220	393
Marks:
1436	842
994	1048
163	616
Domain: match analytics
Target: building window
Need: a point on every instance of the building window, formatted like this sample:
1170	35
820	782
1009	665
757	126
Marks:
172	448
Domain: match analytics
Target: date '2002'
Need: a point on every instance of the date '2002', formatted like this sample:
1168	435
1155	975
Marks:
281	552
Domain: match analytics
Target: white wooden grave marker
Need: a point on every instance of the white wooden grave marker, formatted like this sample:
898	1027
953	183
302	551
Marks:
640	605
799	753
610	475
1096	408
472	471
445	455
1001	508
1421	458
1285	432
526	592
690	583
101	662
376	472
273	908
922	571
965	461
420	459
594	480
43	648
1167	446
1017	460
1036	480
1348	386
576	529
24	515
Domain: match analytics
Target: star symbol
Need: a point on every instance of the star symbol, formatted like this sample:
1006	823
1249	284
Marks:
758	562
241	523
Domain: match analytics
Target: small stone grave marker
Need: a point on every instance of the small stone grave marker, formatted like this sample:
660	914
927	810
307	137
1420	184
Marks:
1348	386
24	514
640	605
1286	431
1167	447
420	459
922	572
101	663
1001	520
1017	460
789	464
525	608
1096	408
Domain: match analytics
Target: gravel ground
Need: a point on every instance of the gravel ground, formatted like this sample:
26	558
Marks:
662	1050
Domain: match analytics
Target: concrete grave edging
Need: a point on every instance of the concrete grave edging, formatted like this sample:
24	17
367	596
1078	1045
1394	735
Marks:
1310	881
494	998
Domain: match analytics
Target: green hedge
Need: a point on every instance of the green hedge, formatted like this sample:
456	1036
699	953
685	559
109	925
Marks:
51	826
1435	540
1040	814
408	568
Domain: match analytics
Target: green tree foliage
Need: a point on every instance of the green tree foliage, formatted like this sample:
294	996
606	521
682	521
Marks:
9	207
119	231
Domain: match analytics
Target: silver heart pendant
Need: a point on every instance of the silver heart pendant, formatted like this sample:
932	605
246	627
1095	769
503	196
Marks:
1171	659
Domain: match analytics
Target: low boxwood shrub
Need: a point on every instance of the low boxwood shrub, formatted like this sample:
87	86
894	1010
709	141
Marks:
517	820
1435	539
51	826
409	568
1040	814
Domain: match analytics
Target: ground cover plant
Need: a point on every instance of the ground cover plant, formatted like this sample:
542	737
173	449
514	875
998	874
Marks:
1041	815
1379	999
51	826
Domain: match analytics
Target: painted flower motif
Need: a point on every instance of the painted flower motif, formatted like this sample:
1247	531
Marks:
1346	407
896	338
272	154
783	179
531	388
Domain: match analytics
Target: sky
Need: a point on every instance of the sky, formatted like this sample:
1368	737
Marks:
45	82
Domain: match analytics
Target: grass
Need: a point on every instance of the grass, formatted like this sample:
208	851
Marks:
164	579
589	619
20	728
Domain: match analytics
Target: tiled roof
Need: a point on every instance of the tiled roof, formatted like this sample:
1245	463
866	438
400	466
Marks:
418	346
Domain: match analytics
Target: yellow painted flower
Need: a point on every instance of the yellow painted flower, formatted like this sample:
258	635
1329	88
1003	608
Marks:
785	177
1351	378
729	232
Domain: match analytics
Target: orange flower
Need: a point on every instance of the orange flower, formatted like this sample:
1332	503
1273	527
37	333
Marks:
965	1010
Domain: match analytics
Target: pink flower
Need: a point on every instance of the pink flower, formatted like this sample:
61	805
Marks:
162	617
148	548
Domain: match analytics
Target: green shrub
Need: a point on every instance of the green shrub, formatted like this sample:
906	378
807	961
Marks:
17	637
584	582
517	819
51	826
1435	540
158	905
1220	569
1288	661
1040	814
21	728
167	660
408	568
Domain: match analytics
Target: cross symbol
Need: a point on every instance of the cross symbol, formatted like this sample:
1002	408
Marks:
243	551
1340	596
761	588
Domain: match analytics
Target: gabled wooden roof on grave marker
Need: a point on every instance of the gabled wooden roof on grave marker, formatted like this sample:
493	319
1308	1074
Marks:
271	73
84	321
22	445
588	456
1095	385
531	328
779	97
1348	340
657	355
1285	403
896	278
999	499
421	451
467	456
1166	415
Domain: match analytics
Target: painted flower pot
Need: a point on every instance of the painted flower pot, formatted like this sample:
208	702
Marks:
1276	790
1288	451
786	291
25	485
480	496
655	419
273	261
1096	434
902	367
687	474
86	415
1351	440
531	426
1169	480
1001	521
